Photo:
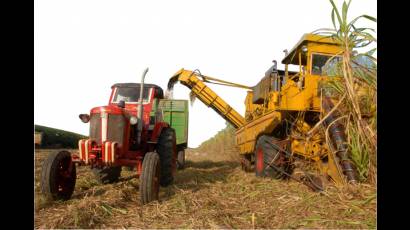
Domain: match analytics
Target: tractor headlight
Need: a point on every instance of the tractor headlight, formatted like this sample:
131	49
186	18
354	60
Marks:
84	118
133	120
304	49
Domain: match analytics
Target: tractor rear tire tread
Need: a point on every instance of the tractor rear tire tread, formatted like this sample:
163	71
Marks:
165	149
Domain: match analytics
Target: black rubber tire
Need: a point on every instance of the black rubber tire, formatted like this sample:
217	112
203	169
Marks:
266	149
107	175
166	149
149	179
52	183
181	159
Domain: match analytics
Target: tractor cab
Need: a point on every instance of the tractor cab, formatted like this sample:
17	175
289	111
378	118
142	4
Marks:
129	94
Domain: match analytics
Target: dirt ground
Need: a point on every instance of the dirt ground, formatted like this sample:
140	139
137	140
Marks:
211	192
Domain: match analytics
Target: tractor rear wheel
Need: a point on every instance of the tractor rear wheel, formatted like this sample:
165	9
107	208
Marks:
181	159
150	177
267	154
58	175
166	149
107	175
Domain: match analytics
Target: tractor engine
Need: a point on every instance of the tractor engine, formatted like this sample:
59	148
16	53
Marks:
108	126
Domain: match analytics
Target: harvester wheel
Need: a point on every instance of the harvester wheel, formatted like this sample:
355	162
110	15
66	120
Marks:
150	177
58	175
166	149
107	175
181	159
267	151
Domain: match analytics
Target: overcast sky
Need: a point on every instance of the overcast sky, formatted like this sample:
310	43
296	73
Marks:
84	47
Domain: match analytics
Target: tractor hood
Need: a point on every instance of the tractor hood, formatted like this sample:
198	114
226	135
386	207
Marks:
126	112
110	109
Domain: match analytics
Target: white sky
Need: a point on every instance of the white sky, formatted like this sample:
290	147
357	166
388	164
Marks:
83	47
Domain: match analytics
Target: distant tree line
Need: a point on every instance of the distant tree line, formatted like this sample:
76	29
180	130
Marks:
57	138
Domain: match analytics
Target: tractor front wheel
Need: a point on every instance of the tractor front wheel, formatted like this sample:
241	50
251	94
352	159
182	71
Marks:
150	177
58	176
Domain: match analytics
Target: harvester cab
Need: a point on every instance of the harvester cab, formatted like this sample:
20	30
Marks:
137	129
315	57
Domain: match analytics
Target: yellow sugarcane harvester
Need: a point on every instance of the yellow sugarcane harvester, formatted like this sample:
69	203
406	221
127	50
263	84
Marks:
287	119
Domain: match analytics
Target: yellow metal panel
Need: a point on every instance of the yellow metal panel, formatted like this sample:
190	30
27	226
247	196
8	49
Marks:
246	136
209	97
292	98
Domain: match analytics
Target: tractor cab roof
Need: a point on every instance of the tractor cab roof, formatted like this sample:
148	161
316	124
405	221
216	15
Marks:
136	85
292	57
158	89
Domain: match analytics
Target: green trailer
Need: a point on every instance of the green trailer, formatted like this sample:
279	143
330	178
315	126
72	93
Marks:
175	112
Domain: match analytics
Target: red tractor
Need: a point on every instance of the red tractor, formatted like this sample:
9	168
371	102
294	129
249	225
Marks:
129	131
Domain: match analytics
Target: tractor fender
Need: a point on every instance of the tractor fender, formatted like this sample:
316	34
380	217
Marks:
157	130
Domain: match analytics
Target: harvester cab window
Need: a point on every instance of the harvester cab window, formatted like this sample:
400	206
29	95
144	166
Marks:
130	94
319	66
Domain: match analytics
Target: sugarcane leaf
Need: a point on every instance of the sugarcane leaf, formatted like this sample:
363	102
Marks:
337	12
371	52
344	11
333	18
370	18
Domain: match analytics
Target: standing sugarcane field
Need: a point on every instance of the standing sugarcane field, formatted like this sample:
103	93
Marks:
243	115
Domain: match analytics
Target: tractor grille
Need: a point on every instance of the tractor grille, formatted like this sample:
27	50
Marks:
115	128
115	131
95	127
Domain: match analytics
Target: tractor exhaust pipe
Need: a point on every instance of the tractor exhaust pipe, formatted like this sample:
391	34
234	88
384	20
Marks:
339	142
140	107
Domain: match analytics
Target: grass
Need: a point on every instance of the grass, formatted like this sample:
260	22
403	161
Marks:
212	192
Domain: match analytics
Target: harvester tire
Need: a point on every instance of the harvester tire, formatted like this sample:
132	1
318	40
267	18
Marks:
107	175
265	152
181	159
166	149
149	179
57	181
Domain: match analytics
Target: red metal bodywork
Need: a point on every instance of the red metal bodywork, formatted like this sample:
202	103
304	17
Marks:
113	153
